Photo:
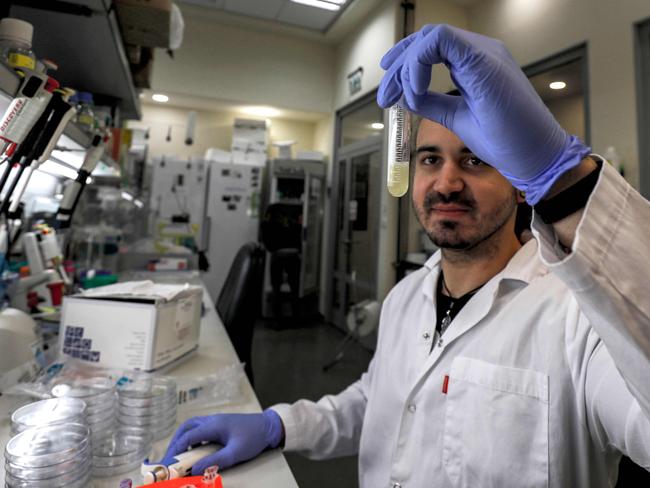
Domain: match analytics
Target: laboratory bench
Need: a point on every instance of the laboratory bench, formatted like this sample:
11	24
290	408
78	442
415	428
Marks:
215	352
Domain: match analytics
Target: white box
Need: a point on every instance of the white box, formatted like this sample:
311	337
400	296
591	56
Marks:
142	330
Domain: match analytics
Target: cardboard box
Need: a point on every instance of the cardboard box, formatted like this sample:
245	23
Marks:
144	328
145	22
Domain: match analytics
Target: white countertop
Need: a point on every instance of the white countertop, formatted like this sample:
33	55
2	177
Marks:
269	470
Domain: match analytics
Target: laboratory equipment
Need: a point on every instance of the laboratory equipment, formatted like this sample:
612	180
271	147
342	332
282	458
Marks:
149	403
74	189
180	466
52	456
100	397
121	452
231	217
18	361
48	412
399	156
16	43
299	184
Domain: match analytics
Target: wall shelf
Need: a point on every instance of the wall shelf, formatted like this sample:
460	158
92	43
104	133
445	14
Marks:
88	49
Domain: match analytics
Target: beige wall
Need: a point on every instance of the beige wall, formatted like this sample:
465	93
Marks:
535	29
364	47
440	12
240	64
213	129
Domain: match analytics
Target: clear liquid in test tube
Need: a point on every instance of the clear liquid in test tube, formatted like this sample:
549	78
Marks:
399	154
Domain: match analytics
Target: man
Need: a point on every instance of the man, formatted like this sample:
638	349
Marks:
497	364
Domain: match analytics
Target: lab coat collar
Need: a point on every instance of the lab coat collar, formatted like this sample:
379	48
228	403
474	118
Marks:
523	266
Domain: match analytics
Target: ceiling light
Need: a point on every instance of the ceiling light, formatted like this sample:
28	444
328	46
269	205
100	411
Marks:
377	125
318	4
261	111
159	97
557	85
127	196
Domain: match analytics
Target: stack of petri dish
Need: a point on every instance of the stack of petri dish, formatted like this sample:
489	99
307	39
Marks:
122	451
48	412
100	397
150	404
50	456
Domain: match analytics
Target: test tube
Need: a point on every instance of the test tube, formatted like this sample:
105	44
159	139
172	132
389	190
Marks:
399	154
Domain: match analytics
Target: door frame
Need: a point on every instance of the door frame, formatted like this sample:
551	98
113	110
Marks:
642	55
570	55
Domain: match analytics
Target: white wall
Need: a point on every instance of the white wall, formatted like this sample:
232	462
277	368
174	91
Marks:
364	47
213	129
244	65
535	29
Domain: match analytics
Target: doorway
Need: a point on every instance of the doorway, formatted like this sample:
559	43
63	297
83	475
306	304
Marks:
356	201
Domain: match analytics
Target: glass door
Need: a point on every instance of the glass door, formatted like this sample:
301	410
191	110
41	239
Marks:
354	277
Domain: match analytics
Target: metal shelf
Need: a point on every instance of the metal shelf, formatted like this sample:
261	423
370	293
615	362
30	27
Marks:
88	49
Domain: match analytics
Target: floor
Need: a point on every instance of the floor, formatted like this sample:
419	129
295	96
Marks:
287	366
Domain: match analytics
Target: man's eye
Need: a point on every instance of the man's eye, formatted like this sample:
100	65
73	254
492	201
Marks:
430	160
474	161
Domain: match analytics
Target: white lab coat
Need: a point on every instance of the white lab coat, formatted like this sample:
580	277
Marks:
548	365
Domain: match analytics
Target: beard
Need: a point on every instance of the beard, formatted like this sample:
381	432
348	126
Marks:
464	236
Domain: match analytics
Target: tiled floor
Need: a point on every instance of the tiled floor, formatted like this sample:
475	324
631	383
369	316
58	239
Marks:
287	366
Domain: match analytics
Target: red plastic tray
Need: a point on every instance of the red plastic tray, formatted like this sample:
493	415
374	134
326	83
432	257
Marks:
188	480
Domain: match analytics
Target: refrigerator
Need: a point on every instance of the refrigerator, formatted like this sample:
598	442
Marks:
232	208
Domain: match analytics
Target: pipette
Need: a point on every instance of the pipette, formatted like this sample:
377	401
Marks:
399	133
74	189
177	467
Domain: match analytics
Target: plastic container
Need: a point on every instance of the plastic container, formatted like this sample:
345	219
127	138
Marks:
85	111
121	452
50	456
48	412
16	43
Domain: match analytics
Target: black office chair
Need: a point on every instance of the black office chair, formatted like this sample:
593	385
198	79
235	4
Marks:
240	301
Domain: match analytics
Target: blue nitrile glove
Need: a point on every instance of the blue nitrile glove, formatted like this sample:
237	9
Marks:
498	115
243	436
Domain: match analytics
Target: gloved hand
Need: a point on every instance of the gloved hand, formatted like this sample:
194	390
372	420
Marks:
243	436
498	115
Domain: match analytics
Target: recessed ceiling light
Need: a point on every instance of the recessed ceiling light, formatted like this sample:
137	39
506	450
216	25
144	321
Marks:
319	4
557	85
159	97
377	125
261	111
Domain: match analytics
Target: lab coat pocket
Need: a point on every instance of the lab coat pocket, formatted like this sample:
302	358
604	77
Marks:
496	426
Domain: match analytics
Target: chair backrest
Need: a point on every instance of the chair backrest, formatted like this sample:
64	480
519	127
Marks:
240	300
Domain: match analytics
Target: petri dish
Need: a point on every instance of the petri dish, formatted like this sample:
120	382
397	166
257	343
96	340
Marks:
50	411
94	391
48	472
76	479
47	445
124	445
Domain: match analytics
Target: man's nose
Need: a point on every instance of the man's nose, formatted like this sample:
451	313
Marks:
449	179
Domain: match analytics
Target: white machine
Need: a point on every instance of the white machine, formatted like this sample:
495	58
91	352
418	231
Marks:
18	361
231	217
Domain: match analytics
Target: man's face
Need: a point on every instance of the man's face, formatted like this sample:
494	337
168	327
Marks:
459	200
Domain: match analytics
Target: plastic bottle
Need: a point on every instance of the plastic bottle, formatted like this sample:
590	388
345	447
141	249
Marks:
85	111
16	43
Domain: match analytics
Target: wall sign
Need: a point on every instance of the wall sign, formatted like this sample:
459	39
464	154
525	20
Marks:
354	80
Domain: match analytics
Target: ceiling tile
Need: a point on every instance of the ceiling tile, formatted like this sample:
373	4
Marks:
265	9
207	3
305	16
